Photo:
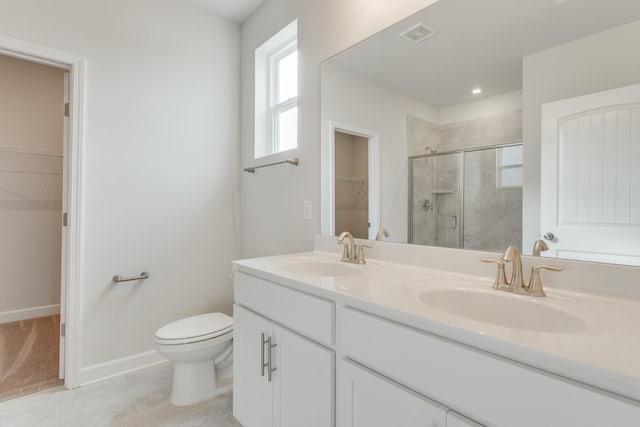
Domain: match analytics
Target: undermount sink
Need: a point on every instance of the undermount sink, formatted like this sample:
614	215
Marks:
318	268
501	309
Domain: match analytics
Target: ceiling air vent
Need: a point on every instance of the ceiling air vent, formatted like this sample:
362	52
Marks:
417	33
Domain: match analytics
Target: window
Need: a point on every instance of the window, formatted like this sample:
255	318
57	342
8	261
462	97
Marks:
276	112
509	167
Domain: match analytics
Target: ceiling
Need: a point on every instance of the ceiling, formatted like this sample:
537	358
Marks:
232	10
477	44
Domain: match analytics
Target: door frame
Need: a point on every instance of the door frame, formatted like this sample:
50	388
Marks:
72	251
328	178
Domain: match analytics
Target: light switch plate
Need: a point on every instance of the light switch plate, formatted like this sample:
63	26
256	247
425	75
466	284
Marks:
307	209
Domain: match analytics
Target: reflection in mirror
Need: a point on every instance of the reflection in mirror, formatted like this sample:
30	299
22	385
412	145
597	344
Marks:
352	184
465	160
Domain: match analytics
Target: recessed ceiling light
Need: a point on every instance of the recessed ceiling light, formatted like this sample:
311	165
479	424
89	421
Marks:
476	91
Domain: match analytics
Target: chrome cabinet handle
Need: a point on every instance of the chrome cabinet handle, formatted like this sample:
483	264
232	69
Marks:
269	368
262	363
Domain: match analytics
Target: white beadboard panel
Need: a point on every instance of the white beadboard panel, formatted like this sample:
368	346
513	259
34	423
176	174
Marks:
595	167
623	166
609	159
635	166
583	178
599	158
568	172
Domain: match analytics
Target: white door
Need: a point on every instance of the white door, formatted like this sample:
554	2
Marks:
374	401
303	382
590	186
252	400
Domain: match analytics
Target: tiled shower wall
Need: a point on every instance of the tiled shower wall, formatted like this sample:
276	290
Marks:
492	216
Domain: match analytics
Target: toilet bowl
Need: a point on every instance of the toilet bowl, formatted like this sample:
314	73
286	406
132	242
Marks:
198	345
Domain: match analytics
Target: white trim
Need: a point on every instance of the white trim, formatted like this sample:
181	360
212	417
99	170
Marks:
264	131
123	365
29	313
328	175
73	253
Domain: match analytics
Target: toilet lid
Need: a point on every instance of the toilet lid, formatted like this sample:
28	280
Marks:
202	326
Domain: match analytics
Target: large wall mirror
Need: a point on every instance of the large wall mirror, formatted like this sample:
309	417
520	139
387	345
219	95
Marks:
478	124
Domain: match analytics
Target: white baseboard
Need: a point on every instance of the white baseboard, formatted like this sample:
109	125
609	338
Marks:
115	367
29	313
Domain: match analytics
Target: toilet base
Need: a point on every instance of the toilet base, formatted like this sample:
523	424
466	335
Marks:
194	383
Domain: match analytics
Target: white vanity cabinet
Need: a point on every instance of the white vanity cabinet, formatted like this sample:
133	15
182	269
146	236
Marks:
346	361
300	389
370	400
489	389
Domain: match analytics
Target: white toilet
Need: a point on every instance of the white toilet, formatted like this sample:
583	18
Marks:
199	346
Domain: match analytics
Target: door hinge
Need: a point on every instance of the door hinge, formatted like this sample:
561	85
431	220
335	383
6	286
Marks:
66	109
63	329
65	219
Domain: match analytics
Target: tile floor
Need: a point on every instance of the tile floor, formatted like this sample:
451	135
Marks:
136	399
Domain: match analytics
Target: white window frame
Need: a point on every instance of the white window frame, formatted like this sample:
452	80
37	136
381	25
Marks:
267	109
276	108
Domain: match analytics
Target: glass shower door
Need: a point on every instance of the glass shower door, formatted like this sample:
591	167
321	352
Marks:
436	200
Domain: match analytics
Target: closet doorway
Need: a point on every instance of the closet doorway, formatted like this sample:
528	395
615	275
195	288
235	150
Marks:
32	140
58	170
71	256
352	184
355	205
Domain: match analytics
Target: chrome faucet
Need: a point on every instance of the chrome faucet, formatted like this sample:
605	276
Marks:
512	254
382	232
352	252
539	246
349	251
516	284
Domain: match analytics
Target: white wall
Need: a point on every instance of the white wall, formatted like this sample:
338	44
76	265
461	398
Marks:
272	199
160	160
480	108
31	117
603	61
350	99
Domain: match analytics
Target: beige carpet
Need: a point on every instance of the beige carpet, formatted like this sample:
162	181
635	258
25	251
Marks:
29	352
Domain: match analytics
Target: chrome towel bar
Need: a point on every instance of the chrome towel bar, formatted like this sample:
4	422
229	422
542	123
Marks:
118	278
294	162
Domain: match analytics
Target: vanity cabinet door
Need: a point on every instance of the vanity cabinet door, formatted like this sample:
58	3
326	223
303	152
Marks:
370	400
252	393
300	391
304	381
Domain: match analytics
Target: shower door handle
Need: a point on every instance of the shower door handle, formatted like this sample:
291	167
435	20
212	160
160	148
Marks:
454	222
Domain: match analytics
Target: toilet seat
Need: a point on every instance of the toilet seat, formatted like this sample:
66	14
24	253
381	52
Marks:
194	329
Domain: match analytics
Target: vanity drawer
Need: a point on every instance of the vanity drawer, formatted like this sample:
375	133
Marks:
306	314
488	389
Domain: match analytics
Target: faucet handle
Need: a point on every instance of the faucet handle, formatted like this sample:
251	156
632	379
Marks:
345	251
535	283
501	277
360	253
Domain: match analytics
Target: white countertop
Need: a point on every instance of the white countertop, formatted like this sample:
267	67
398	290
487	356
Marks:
602	350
